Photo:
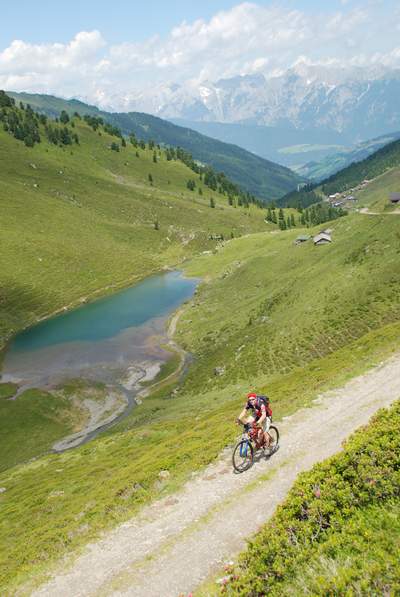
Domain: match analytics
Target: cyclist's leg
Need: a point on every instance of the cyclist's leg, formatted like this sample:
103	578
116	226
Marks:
266	426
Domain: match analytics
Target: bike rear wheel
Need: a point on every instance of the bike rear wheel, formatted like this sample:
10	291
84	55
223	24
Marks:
274	435
243	455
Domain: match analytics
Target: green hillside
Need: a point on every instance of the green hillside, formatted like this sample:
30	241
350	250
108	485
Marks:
338	531
274	316
374	165
82	217
256	175
289	320
383	165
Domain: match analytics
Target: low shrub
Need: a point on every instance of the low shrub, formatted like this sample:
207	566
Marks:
318	514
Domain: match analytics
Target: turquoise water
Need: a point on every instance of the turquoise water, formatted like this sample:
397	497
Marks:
154	297
109	334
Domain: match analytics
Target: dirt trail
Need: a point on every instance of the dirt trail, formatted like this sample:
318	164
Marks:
177	542
367	212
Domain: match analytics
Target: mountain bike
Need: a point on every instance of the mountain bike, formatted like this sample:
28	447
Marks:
249	444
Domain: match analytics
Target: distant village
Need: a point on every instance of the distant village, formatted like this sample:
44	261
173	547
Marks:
339	199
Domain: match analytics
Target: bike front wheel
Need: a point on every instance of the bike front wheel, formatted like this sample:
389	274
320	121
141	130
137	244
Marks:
243	455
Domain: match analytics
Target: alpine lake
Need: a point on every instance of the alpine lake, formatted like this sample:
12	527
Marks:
120	341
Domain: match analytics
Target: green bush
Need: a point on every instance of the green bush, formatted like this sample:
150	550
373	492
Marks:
322	513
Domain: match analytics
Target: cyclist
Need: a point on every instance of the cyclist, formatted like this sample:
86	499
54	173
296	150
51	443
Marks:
260	414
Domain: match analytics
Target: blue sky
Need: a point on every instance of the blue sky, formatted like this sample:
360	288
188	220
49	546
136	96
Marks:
119	20
112	53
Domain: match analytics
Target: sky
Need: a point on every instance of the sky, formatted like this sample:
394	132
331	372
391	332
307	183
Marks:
107	52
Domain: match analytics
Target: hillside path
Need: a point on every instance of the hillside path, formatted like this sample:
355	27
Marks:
177	542
367	212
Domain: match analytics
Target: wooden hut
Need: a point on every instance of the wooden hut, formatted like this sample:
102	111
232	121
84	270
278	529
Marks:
394	197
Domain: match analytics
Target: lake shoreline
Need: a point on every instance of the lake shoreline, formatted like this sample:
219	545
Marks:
97	294
89	432
129	357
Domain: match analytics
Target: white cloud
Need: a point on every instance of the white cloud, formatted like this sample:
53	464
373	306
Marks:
247	39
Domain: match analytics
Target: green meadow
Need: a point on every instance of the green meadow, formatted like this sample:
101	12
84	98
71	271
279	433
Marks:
81	220
289	320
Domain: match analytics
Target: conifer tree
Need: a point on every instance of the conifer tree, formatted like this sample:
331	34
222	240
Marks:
64	118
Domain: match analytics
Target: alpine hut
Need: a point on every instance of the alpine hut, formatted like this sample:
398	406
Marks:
322	239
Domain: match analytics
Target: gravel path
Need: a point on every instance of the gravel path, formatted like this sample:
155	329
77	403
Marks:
177	542
366	211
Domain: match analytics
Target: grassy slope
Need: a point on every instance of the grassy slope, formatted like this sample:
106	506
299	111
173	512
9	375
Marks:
337	533
89	222
106	481
86	226
291	321
273	306
376	195
260	177
32	423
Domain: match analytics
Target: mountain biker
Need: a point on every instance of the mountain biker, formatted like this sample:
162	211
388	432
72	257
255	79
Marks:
261	414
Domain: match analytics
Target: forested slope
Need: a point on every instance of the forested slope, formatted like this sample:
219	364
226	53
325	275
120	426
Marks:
258	176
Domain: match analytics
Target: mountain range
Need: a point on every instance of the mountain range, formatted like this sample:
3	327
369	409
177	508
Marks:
358	103
303	115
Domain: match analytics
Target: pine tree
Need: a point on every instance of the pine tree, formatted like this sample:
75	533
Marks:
292	220
150	179
123	142
212	202
154	157
64	118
